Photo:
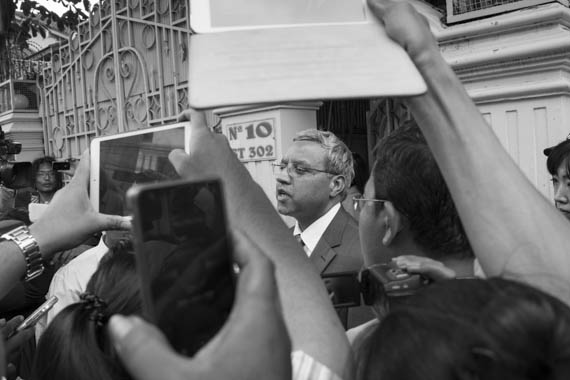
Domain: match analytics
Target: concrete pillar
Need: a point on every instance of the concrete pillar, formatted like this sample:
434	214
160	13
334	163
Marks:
260	134
24	127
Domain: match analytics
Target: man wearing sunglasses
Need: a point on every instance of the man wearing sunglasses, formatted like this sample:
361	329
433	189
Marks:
312	180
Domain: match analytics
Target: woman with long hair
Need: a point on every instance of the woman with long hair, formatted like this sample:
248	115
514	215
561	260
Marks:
75	344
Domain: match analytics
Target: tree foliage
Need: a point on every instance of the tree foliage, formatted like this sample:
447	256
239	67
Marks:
34	19
37	15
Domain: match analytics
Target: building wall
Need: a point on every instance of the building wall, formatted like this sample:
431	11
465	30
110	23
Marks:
525	128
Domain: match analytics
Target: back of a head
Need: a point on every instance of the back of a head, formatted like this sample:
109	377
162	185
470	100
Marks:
405	173
471	329
339	157
75	344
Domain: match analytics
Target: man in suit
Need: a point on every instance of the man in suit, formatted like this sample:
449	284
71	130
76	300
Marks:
312	180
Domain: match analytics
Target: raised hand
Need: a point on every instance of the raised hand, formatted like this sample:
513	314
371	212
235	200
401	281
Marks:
253	344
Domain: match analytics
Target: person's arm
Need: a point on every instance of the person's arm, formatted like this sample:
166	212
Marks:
311	320
12	266
513	229
67	222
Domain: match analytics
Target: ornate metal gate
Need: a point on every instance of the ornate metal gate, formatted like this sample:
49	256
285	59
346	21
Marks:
123	69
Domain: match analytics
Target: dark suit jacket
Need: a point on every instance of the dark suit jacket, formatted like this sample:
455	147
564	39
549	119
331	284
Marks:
338	251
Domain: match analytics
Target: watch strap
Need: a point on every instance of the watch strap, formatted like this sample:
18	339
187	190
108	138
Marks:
30	249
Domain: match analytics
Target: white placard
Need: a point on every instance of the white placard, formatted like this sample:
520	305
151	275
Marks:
252	140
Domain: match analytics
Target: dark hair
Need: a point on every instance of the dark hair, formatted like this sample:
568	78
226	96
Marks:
471	329
557	156
47	160
75	344
361	173
405	173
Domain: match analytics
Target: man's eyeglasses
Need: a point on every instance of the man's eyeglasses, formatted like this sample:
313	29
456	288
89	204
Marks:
50	174
358	202
296	170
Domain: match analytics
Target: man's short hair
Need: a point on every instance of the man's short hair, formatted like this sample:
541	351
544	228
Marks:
339	157
558	155
406	174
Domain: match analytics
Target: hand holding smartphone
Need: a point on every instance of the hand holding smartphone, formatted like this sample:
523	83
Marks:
184	259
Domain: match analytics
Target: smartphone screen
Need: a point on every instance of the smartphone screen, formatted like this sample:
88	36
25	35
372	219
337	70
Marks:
184	259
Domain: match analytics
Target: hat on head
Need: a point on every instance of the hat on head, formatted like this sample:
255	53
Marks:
549	150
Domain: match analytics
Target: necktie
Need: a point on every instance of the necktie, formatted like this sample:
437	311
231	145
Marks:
300	241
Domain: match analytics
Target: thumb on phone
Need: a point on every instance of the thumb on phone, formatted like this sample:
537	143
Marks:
144	350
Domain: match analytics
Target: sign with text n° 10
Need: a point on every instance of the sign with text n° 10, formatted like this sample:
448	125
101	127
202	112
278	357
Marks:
252	140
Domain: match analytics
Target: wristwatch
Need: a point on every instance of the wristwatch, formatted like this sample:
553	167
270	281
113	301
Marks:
30	249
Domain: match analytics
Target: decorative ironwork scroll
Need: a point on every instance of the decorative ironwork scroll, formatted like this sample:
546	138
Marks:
124	68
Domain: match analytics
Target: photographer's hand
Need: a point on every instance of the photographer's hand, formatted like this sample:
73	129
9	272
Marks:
407	27
70	218
432	269
13	341
253	344
210	155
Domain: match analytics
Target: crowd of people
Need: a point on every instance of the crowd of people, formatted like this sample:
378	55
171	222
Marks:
443	199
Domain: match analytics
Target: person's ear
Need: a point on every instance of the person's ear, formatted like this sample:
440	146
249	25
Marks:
337	185
393	223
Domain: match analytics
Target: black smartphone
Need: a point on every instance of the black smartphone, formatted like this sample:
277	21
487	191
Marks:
61	165
36	315
184	259
343	288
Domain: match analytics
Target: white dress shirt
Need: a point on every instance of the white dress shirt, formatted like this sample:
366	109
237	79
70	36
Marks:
313	233
70	281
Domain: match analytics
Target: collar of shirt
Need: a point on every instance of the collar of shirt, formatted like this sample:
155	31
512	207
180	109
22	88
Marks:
312	234
478	270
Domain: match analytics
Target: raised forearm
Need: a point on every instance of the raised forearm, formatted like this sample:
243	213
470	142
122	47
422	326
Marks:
312	323
12	266
512	227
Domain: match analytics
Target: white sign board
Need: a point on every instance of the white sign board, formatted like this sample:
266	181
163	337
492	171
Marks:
252	140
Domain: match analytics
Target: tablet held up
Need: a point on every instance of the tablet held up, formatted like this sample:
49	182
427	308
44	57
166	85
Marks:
309	50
